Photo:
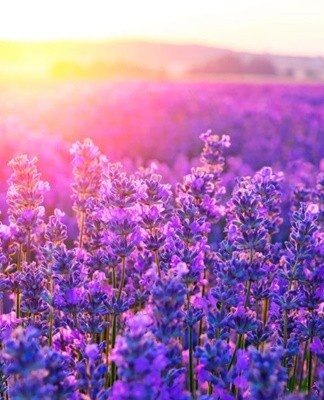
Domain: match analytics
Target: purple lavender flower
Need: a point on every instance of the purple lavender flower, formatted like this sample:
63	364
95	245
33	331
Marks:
266	375
241	321
168	297
35	372
122	192
91	372
25	196
32	285
26	190
140	361
267	185
88	169
213	148
214	358
56	231
22	353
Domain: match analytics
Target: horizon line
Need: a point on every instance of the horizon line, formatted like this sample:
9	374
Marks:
153	41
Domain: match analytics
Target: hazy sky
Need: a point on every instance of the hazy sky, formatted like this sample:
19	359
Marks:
281	26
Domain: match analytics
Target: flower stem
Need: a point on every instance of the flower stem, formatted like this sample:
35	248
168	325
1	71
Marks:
107	331
210	388
248	291
301	376
201	322
122	279
191	368
28	249
75	320
292	380
239	343
19	260
114	277
265	310
51	310
157	262
309	368
50	333
285	329
113	341
82	228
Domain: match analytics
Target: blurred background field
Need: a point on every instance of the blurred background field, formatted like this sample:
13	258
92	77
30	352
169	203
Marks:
136	122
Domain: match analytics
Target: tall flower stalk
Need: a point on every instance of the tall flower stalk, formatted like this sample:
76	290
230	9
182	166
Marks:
88	167
25	197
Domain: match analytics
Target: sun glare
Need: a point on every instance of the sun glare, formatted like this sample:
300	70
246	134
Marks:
39	20
255	25
51	25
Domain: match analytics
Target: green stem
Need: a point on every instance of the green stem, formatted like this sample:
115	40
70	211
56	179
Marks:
107	353
301	376
191	368
19	260
292	380
239	342
285	336
285	328
309	369
113	341
114	277
51	311
122	279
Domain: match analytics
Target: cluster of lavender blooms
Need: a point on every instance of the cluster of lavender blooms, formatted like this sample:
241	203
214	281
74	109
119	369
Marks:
144	303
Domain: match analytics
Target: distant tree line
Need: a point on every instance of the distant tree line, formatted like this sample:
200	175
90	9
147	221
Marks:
234	64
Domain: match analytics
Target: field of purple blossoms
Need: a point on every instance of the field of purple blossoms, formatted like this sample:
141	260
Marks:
275	125
147	301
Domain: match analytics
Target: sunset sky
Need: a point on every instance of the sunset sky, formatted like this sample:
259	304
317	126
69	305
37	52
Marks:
280	26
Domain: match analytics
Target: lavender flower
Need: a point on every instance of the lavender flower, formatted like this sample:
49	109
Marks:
168	298
266	375
214	359
140	361
88	166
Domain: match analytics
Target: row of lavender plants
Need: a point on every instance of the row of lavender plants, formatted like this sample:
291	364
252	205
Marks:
270	124
144	303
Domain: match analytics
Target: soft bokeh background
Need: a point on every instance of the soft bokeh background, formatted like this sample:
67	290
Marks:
143	79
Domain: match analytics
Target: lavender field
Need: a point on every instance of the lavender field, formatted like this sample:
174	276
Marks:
162	240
